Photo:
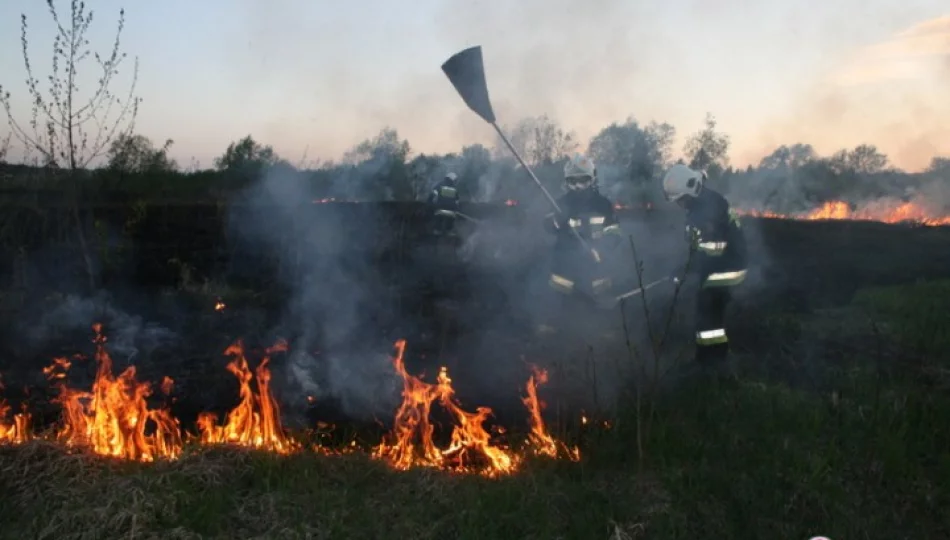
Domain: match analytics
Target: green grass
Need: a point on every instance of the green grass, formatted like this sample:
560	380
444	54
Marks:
915	316
864	455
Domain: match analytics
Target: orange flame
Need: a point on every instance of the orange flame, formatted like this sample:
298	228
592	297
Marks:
255	421
219	305
884	211
539	440
410	443
471	448
113	419
15	431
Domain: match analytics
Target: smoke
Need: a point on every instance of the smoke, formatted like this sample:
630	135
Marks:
363	385
130	337
801	187
348	305
616	185
338	296
353	182
622	58
891	93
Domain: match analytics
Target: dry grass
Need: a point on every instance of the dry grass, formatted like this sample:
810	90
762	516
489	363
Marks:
729	460
224	493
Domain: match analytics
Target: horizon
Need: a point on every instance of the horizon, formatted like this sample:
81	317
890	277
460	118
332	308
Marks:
771	74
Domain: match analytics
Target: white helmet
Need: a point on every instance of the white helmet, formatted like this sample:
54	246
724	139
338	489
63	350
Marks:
681	181
580	173
451	177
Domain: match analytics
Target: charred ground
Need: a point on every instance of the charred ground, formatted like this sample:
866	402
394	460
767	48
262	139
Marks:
834	428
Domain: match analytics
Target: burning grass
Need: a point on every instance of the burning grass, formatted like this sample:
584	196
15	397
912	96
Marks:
255	421
857	453
114	419
884	211
471	447
739	460
14	427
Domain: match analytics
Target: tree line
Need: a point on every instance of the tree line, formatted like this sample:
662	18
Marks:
631	159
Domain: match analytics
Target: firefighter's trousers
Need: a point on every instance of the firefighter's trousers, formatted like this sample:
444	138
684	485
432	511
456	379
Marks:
712	342
444	222
573	284
574	273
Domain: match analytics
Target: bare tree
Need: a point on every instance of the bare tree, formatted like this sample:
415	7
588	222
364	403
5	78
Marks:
5	147
66	128
707	148
539	140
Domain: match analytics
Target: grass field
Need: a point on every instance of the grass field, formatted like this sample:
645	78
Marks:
857	449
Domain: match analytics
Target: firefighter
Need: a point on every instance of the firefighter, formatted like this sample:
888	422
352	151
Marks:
718	256
445	198
575	274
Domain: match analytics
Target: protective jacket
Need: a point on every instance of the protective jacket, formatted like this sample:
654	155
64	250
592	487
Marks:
718	244
444	196
592	216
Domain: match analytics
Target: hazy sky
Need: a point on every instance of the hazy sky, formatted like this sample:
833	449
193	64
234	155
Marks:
325	75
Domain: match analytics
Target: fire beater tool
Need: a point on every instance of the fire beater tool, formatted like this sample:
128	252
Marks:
466	71
611	302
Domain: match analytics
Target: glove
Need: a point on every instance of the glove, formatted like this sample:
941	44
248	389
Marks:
693	236
555	222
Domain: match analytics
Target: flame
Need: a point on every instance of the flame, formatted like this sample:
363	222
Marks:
511	202
410	443
586	420
15	431
471	443
113	419
255	421
539	440
219	305
885	211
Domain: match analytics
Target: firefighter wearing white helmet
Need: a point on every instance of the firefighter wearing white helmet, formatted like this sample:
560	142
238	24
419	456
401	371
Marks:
445	198
574	273
718	255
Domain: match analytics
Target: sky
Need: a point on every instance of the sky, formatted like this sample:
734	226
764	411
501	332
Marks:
312	78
